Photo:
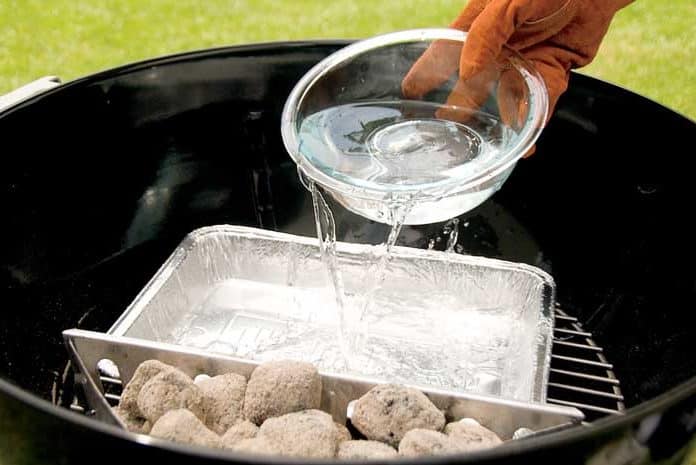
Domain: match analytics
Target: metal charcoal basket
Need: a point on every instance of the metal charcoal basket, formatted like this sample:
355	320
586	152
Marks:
104	364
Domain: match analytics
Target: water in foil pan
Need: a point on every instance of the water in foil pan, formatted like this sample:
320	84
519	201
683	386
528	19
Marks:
440	320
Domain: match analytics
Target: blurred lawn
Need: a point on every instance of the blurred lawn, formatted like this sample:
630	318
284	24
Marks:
650	49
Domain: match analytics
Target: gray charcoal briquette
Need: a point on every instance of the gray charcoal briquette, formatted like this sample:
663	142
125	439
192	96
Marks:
182	425
343	433
170	390
224	398
145	371
471	436
309	433
239	432
255	445
386	412
419	442
278	388
363	450
134	423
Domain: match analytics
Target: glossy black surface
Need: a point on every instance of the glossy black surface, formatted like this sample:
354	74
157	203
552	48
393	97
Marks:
103	177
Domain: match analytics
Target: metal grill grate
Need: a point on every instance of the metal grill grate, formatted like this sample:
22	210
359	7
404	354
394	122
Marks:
580	375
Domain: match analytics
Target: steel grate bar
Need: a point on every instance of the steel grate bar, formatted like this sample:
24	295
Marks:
602	379
582	406
573	332
609	395
107	379
577	345
583	361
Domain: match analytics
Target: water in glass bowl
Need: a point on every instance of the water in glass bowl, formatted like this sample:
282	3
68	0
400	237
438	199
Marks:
401	145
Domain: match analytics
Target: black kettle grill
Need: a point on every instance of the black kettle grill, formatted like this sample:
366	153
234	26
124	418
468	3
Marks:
103	177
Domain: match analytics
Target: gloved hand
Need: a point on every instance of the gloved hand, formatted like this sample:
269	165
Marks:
554	35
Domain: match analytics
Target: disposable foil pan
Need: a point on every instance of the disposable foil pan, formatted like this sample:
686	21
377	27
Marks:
438	320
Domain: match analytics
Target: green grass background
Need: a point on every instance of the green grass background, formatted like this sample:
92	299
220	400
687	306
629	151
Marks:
650	48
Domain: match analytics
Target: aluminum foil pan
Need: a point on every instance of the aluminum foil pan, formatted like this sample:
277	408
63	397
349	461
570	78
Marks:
439	320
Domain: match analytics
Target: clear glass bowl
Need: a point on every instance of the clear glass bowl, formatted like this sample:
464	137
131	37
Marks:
387	122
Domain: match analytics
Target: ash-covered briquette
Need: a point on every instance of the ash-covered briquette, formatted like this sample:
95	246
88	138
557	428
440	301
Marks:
470	435
181	425
418	442
170	390
460	437
387	412
256	445
343	433
278	388
133	423
239	432
145	371
309	434
224	400
224	411
365	449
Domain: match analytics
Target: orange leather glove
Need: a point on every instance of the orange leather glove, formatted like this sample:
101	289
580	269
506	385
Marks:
554	35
